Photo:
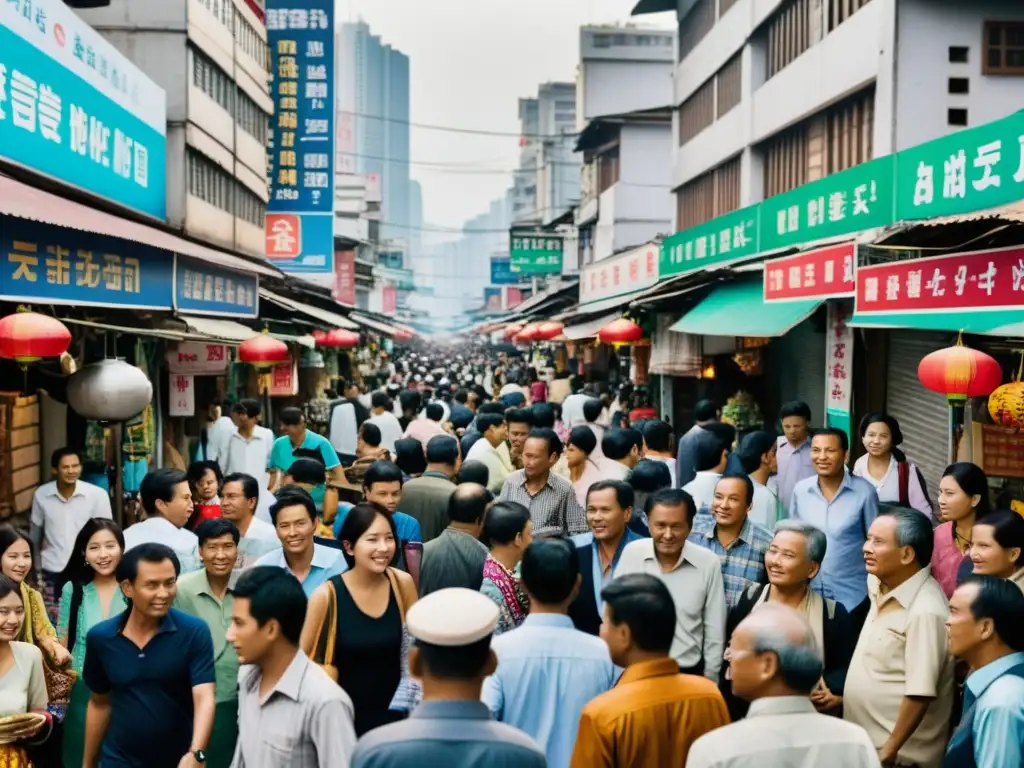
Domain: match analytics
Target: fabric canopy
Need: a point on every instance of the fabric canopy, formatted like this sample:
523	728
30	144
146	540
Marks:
1006	322
589	328
739	309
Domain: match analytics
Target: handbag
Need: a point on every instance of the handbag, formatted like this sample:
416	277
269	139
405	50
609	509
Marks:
59	682
327	636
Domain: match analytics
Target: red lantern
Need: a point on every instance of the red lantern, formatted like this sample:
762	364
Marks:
621	331
319	336
341	339
547	331
28	336
960	372
512	330
528	334
402	335
263	351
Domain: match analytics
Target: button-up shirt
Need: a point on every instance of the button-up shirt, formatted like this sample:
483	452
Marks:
327	562
251	456
794	465
197	599
742	560
259	539
845	521
497	468
305	721
61	519
554	509
888	488
998	727
547	672
160	530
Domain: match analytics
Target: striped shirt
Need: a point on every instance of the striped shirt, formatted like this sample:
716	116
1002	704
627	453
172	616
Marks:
554	509
742	561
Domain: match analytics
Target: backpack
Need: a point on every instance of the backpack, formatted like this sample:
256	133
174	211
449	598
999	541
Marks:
903	468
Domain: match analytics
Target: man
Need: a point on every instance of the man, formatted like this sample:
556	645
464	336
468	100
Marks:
207	595
775	664
214	435
843	506
383	417
710	456
520	422
473	472
986	630
758	453
167	501
658	444
247	449
309	475
704	413
609	509
730	533
350	391
621	449
693	576
297	441
452	656
290	713
462	411
795	462
494	431
294	516
59	510
550	499
383	484
428	425
152	660
654	713
238	499
548	671
572	409
593	409
425	498
900	684
456	557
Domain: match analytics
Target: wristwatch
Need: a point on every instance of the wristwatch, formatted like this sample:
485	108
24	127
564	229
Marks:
199	755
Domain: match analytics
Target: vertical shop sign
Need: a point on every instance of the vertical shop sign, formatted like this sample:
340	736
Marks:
182	394
284	380
839	359
344	290
389	299
300	214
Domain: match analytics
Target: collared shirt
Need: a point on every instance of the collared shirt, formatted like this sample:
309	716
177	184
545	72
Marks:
998	727
390	429
699	595
61	519
448	733
251	456
283	452
602	573
453	559
304	721
766	510
217	435
326	563
742	561
902	651
497	469
259	539
160	530
794	465
150	688
423	429
547	672
888	488
613	470
845	521
649	719
197	599
785	732
554	509
702	488
591	474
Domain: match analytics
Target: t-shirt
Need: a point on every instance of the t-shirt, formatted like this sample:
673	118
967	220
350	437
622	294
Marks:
283	453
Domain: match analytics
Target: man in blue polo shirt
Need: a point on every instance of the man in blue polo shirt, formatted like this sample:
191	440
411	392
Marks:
298	442
150	670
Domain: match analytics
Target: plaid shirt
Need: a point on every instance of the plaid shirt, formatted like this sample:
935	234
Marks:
742	561
554	509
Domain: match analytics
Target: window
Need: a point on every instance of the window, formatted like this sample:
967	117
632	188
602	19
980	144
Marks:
212	184
697	112
841	10
607	169
1004	48
959	85
789	34
248	206
695	25
602	41
251	43
729	82
250	118
958	54
957	117
213	81
222	10
711	194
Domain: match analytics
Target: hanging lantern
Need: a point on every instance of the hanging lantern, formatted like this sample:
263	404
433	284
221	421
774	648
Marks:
319	336
109	390
1006	403
512	330
29	336
340	338
263	351
960	372
402	335
619	332
548	331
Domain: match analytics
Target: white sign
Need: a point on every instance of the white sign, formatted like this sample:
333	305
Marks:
618	275
195	357
181	394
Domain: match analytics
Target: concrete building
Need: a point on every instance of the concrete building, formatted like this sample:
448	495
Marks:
772	94
211	58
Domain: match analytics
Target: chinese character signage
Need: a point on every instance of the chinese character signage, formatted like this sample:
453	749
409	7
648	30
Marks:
300	214
195	357
839	362
712	244
344	290
211	290
975	280
284	380
181	395
819	274
625	273
501	271
389	299
535	253
1002	451
73	108
969	170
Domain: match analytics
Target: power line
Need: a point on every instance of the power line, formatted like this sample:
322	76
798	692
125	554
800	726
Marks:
453	129
455	167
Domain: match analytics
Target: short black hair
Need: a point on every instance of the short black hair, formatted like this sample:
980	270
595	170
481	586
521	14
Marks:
547	435
250	485
484	421
461	396
249	406
844	439
795	408
274	594
410	400
644	604
519	416
707	451
623	491
543	416
748	484
1001	601
159	485
409	457
468	504
382	471
309	471
293	496
60	453
503	521
371	434
214	528
658	435
198	469
435	411
592	408
291	417
491	406
705	410
147	552
753	446
726	433
474	472
650	475
380	400
618	443
458	662
673	497
443	449
549	570
583	437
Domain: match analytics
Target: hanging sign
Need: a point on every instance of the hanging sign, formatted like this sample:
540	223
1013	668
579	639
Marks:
819	274
284	380
182	395
839	364
535	253
195	357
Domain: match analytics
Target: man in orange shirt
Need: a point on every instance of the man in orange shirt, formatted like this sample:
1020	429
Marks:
654	713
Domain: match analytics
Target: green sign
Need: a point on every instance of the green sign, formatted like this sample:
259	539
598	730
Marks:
713	243
535	253
841	204
969	170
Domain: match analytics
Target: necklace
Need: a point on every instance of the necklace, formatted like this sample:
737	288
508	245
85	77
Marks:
963	543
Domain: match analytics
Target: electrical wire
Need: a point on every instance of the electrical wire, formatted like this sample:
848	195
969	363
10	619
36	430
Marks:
454	129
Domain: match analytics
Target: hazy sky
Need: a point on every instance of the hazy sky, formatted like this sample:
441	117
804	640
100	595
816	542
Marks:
470	61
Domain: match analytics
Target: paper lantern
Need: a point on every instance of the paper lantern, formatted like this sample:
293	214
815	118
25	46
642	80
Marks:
619	332
319	336
960	372
548	331
512	330
402	335
1006	403
109	390
29	336
528	334
340	338
263	351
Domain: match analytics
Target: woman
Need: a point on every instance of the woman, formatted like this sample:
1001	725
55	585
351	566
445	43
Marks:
885	466
204	478
997	548
538	388
508	531
22	681
368	602
410	458
91	594
792	560
583	471
963	502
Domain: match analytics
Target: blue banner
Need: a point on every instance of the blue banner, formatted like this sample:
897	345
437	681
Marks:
300	214
75	109
501	272
212	290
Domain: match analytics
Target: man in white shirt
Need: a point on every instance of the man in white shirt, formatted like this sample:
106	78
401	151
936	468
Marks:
493	429
622	449
239	497
247	449
167	501
382	417
709	459
218	428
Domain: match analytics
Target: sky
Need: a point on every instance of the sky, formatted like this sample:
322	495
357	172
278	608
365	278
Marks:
470	62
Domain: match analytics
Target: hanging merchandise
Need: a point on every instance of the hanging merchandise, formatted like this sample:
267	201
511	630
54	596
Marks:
1006	403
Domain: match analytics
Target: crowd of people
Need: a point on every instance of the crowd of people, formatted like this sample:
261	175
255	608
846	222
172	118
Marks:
475	566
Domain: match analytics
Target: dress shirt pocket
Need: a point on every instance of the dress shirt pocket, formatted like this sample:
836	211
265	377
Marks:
885	655
279	748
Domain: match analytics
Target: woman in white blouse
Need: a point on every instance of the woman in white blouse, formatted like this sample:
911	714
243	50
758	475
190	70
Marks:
897	480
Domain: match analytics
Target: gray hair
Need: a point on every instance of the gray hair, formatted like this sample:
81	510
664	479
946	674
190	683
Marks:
815	540
914	530
800	659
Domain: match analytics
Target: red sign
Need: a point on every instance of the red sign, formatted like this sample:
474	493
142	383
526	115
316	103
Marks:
344	291
625	273
389	299
284	380
819	274
515	297
976	280
284	236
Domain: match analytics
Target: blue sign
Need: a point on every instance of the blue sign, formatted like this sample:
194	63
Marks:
67	266
391	259
75	109
501	272
300	214
212	290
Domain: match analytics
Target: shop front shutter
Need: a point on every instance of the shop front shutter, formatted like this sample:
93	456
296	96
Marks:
801	369
922	414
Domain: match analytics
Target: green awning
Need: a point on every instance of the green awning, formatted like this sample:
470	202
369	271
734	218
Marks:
1002	322
739	309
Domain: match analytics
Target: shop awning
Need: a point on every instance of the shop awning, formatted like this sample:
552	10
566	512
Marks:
231	332
374	325
159	333
25	202
1007	322
330	319
738	309
588	328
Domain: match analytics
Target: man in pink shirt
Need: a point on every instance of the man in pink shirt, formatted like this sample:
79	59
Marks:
424	428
